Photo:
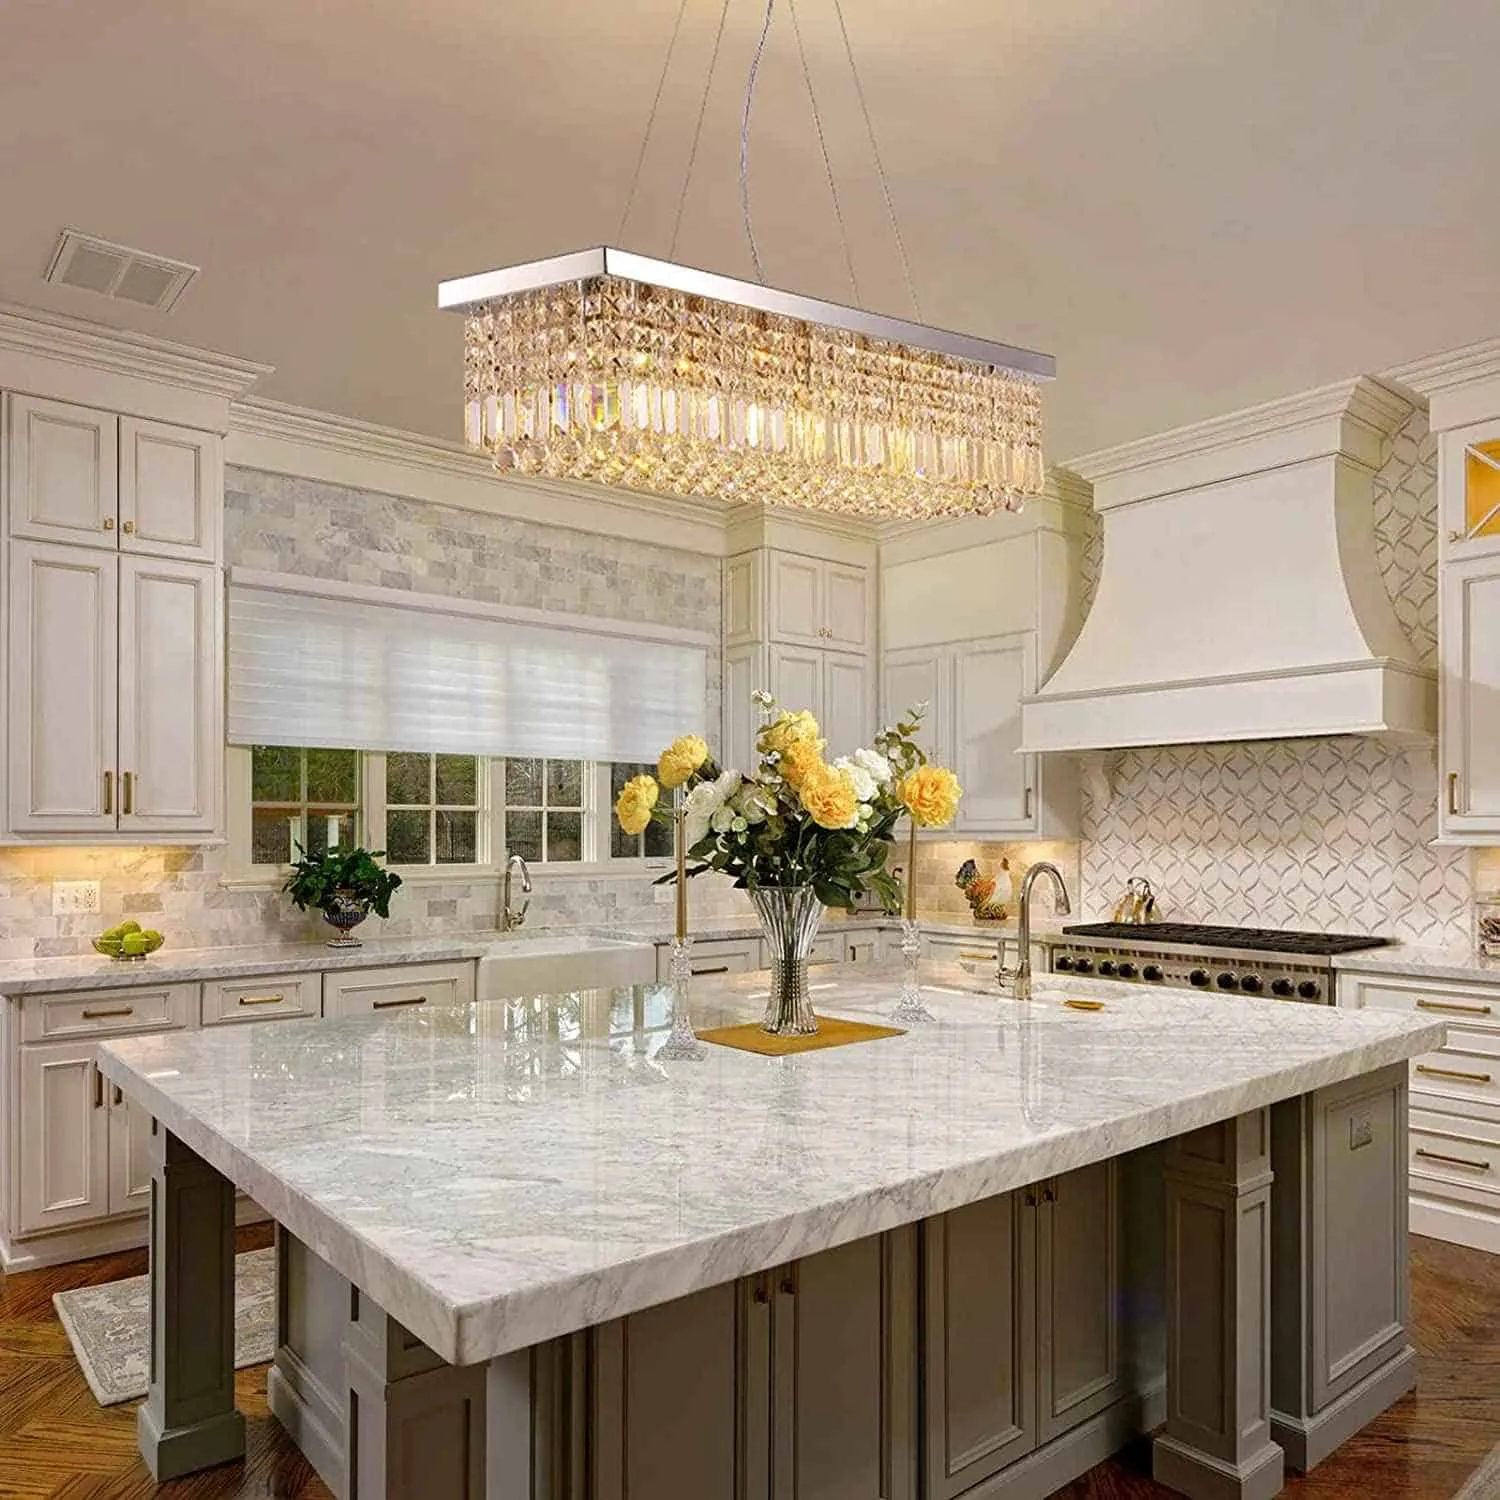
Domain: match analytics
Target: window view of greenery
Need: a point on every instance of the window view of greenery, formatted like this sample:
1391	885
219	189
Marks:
432	809
656	842
301	797
544	804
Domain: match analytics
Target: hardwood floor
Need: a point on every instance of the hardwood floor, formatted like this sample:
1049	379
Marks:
55	1441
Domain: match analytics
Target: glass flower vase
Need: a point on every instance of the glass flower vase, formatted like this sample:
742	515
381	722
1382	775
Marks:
681	1044
789	919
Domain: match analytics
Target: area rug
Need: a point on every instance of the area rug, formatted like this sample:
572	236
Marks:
109	1327
1484	1482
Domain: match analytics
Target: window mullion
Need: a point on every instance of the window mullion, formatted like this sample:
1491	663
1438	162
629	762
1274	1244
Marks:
372	784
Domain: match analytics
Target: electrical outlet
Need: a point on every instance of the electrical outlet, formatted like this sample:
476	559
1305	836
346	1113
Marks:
71	897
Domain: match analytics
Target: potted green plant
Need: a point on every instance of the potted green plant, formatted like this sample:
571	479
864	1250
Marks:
346	885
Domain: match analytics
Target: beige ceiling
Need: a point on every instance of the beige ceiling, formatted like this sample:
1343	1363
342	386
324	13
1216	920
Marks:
1195	204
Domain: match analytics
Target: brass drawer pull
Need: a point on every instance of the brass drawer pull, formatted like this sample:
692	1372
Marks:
1453	1161
1456	1073
261	999
964	953
1457	1010
721	969
93	1013
390	1004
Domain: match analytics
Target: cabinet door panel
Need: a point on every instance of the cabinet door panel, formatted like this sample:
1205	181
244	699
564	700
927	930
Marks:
64	463
742	575
922	676
171	491
846	606
1078	1297
846	703
843	1336
989	679
979	1317
62	696
171	740
1471	696
672	1392
797	679
796	599
744	671
129	1155
63	1163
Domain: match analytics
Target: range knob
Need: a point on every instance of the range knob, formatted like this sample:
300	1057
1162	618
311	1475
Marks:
1083	966
1199	977
1107	967
1064	962
1227	981
1151	972
1127	971
1252	984
1282	987
1309	990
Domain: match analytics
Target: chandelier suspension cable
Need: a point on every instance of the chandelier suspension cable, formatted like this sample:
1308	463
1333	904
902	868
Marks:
885	186
687	177
833	190
640	160
760	52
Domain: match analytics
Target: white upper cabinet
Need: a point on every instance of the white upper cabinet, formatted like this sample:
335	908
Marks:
1470	625
64	472
848	607
989	680
93	479
796	602
171	730
786	597
171	491
63	639
847	695
922	674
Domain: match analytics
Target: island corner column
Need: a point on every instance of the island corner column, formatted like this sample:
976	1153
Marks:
189	1420
1217	1444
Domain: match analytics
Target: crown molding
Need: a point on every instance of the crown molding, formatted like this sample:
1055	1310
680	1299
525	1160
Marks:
1435	373
30	331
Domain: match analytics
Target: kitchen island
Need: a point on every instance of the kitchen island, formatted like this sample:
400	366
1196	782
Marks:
522	1257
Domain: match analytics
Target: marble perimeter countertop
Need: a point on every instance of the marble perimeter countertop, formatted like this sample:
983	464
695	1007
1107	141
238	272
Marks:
498	1174
1422	963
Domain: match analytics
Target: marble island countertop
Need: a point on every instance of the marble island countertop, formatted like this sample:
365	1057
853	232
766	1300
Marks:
497	1175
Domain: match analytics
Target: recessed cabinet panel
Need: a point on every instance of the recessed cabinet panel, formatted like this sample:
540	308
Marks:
170	491
989	680
847	611
846	703
741	599
64	1168
1471	697
170	709
797	679
63	472
917	676
744	671
797	599
62	691
129	1154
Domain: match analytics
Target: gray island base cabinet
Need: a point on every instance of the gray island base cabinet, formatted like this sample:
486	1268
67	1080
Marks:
1226	1262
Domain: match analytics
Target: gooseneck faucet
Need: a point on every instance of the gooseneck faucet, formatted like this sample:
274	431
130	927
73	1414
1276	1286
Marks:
509	917
1021	987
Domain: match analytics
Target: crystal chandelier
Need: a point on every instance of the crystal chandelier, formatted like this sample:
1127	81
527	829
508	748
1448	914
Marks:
610	367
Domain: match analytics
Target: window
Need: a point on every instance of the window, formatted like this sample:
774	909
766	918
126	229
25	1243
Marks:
306	799
432	808
546	802
655	842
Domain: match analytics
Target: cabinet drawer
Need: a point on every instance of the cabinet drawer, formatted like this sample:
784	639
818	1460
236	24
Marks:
717	956
1472	1006
828	949
359	992
1456	1158
1464	1073
98	1012
261	999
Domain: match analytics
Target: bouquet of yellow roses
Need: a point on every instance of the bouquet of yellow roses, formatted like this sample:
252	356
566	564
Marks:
798	819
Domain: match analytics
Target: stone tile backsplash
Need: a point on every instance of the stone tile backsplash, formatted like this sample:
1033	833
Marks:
938	895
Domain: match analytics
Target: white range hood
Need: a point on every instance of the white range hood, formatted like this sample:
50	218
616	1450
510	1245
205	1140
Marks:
1240	596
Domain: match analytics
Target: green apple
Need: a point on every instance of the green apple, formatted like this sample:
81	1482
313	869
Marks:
128	926
134	945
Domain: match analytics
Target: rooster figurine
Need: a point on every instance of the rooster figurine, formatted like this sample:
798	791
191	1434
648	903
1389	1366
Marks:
980	891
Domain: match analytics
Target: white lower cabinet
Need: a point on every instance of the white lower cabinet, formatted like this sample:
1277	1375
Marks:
62	1160
129	1154
1470	806
713	956
357	992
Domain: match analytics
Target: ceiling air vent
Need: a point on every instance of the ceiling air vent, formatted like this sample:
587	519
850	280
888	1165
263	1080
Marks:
95	265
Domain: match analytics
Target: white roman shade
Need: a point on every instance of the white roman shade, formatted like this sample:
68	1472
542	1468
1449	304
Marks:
313	663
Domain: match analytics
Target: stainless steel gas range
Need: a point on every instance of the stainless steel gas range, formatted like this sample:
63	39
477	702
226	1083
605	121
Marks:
1240	960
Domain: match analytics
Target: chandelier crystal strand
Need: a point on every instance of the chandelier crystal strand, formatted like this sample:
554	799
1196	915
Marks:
629	384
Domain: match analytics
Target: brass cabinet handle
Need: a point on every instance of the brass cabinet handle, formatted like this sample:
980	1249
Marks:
965	953
127	791
1453	1161
1029	1199
1457	1010
721	969
789	1280
389	1004
275	1000
109	523
119	1095
98	1087
94	1013
1453	794
1461	1076
762	1292
128	527
1026	804
109	792
1049	1190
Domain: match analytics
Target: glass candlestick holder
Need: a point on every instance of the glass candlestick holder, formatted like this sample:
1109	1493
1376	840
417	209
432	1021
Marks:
909	1008
682	1044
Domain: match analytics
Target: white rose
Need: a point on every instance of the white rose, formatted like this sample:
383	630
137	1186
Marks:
875	765
694	829
860	779
722	820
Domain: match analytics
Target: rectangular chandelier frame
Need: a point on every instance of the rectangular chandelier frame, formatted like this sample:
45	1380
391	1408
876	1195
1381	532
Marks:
615	368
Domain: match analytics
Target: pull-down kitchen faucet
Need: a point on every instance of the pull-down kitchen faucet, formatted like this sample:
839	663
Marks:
1021	981
509	917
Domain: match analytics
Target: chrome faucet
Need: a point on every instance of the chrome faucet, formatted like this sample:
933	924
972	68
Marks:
509	917
1021	982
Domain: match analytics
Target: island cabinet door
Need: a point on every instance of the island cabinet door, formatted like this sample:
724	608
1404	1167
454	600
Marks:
979	1342
844	1373
64	1131
679	1399
1079	1367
